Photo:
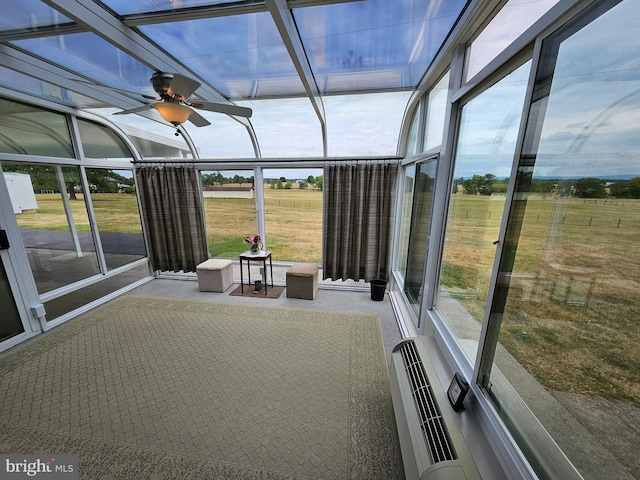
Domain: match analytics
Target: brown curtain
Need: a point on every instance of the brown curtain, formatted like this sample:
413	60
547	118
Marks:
173	217
358	207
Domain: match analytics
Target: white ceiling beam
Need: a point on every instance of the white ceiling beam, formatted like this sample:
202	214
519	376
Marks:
286	26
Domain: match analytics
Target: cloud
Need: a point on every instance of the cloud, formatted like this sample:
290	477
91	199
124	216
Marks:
357	125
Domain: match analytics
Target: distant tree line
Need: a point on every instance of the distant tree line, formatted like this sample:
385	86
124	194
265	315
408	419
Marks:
280	183
283	183
588	187
43	178
101	180
626	188
218	179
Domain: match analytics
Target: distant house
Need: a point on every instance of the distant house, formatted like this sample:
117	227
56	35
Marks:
232	191
21	192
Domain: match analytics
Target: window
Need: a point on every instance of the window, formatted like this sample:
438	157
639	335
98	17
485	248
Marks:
52	213
483	158
414	286
436	111
406	194
513	19
99	142
366	124
293	214
115	206
153	140
230	211
28	130
56	307
566	303
80	226
412	142
54	225
418	195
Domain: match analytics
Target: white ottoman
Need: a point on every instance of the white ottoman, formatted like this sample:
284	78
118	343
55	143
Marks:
215	275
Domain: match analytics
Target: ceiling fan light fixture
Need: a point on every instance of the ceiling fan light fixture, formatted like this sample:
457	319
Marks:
174	90
173	113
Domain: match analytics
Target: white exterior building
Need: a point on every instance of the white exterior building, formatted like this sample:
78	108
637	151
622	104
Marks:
21	192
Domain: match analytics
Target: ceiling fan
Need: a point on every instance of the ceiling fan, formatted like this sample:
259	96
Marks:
174	90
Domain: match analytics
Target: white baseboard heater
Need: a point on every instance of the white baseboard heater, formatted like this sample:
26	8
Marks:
432	444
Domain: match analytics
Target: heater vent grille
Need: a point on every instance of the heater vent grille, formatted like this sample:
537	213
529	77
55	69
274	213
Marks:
431	422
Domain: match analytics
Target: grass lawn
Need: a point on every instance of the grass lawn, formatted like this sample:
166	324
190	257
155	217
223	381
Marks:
293	219
572	312
115	212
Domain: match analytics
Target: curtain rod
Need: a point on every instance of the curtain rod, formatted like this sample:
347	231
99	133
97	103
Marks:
270	162
364	161
164	162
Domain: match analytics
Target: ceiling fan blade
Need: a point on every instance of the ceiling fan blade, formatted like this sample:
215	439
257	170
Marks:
223	108
182	87
198	120
133	110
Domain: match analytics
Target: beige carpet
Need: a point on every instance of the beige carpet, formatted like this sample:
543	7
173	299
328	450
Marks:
171	389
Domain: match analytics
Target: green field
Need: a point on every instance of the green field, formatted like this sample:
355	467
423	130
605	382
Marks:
115	212
572	312
293	220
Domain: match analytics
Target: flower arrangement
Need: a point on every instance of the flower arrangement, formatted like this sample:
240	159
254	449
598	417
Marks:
255	241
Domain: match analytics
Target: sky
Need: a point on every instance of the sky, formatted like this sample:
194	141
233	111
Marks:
507	25
357	125
589	116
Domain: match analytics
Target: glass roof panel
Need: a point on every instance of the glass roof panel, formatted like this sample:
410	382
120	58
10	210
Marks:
374	44
125	7
366	124
513	19
242	56
286	127
357	125
89	55
24	83
224	138
29	14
